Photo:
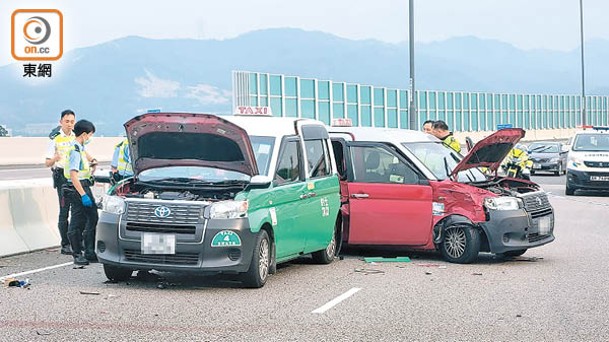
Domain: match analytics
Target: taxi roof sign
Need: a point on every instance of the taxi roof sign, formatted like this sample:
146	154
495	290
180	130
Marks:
342	122
253	111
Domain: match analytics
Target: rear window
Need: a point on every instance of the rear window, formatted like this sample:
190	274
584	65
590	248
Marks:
543	148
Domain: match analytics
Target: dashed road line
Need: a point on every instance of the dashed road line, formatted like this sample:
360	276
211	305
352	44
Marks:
329	305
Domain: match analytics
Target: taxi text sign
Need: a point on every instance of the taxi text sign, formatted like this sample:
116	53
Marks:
37	34
252	110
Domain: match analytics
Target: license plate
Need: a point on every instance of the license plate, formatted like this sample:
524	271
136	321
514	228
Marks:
537	166
153	243
543	225
599	178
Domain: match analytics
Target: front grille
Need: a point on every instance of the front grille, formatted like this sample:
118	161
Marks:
163	259
180	213
596	164
541	160
540	213
536	237
160	228
536	202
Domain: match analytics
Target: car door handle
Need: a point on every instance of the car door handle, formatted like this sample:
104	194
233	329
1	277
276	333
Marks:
308	195
360	195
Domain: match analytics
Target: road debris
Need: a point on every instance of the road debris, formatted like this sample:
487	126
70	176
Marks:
43	332
14	282
433	265
383	259
95	293
367	271
477	273
528	259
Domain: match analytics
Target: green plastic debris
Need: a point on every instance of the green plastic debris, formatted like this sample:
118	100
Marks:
381	259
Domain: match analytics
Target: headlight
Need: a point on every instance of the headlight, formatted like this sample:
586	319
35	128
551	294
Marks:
228	210
554	160
575	162
502	203
113	204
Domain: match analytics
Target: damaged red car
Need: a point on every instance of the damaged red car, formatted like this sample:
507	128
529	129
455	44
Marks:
404	188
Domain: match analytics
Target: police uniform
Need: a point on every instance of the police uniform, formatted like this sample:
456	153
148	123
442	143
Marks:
84	219
450	141
522	156
61	143
121	161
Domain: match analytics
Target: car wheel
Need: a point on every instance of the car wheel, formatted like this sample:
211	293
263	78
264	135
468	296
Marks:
116	273
532	173
460	244
515	253
569	191
326	255
559	172
256	275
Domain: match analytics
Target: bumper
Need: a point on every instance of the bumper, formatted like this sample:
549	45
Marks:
545	167
583	180
120	246
512	230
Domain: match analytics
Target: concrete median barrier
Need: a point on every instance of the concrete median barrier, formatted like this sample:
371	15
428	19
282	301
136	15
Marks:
10	241
28	219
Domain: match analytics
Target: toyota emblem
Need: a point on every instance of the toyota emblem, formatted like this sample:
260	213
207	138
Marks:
162	211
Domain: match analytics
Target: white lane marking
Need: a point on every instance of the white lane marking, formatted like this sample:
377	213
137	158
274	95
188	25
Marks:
329	305
14	275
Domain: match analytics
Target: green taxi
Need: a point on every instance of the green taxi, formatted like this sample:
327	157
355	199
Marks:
221	194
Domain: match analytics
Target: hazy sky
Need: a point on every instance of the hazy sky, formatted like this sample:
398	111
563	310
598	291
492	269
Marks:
527	24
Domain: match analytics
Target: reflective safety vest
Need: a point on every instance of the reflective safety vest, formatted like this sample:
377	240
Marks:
84	170
522	156
123	166
63	143
451	142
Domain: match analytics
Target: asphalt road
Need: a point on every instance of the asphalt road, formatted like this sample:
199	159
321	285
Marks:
558	292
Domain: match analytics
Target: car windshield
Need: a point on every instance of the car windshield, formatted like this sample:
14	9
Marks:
591	142
543	148
191	175
441	161
263	148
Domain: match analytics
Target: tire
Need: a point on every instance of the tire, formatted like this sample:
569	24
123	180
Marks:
559	172
515	253
257	274
326	256
532	173
460	244
116	273
569	191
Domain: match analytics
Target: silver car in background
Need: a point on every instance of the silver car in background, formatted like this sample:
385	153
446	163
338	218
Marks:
548	156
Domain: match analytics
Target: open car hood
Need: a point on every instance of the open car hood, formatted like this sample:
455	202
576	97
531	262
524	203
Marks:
184	139
490	151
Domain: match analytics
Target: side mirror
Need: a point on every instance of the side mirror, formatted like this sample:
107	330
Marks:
260	181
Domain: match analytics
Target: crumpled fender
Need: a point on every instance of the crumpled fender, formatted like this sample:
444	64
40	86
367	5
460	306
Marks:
448	221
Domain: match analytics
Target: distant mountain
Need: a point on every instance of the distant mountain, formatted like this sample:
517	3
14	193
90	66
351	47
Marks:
111	82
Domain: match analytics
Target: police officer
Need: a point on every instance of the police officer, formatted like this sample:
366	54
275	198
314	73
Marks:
440	131
61	141
121	161
78	173
518	157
